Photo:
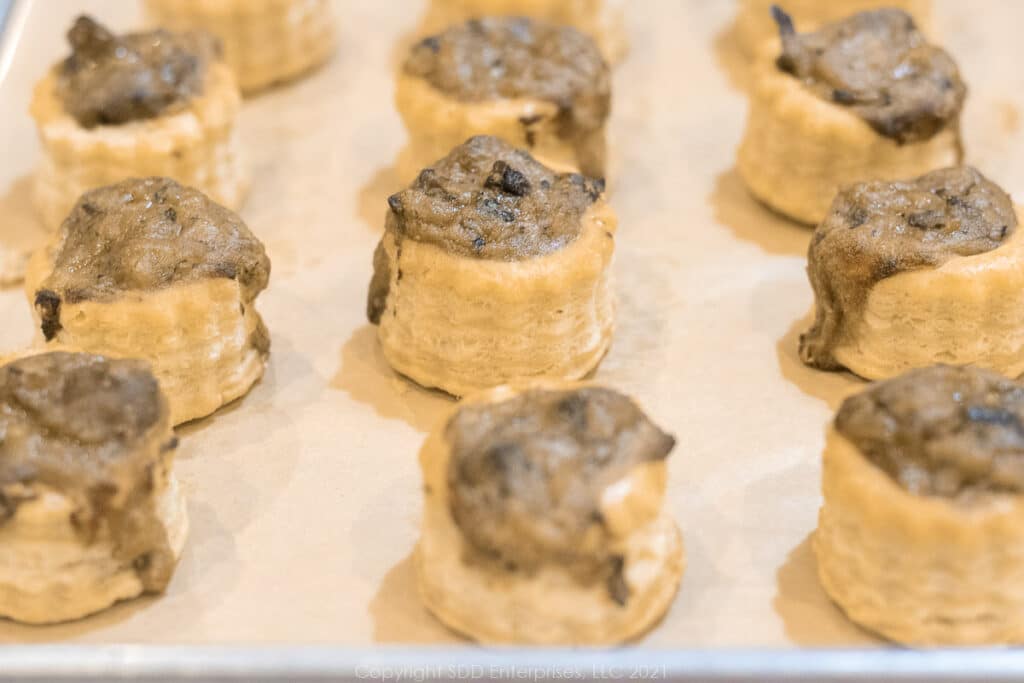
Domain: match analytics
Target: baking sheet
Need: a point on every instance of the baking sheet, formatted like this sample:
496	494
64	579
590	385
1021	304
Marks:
304	496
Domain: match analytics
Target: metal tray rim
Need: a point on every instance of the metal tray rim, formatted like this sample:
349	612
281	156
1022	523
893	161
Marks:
254	663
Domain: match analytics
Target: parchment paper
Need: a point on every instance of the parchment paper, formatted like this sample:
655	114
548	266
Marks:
305	496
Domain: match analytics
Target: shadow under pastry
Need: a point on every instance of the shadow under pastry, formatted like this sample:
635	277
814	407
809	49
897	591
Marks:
830	387
398	613
208	572
809	618
751	221
733	61
364	374
372	200
285	368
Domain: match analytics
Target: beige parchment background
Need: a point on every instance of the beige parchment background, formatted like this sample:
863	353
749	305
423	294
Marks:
304	496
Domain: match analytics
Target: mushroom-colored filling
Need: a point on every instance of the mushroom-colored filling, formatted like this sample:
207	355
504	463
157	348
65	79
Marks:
878	229
147	234
380	284
878	65
486	200
527	475
942	431
510	58
111	79
90	429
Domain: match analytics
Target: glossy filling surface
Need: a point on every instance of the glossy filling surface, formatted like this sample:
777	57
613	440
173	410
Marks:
143	235
878	65
512	57
942	431
111	79
527	476
879	229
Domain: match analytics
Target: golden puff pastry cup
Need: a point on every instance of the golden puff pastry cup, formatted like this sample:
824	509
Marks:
494	269
521	547
911	273
150	269
865	98
754	24
266	42
133	105
90	510
551	95
602	20
921	534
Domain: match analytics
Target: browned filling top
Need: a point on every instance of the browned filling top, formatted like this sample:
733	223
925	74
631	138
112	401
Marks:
111	79
527	474
89	428
878	65
489	200
486	200
147	234
942	431
878	229
512	57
